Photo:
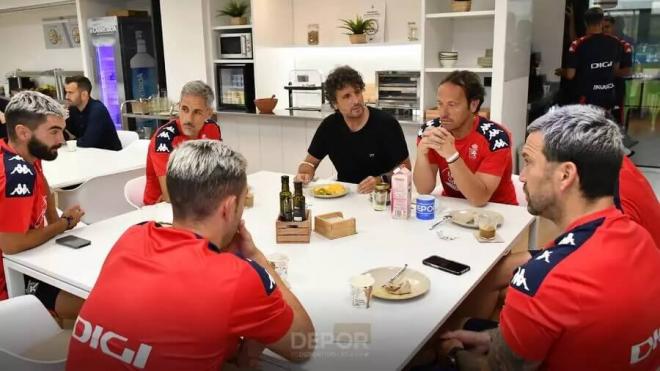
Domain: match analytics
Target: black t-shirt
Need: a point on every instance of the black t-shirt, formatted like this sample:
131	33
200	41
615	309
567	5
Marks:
371	151
93	126
594	57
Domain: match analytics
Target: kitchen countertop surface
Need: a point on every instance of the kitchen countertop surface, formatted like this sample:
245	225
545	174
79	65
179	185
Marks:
304	115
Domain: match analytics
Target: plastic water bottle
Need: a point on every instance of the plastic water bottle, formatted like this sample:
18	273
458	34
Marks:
143	73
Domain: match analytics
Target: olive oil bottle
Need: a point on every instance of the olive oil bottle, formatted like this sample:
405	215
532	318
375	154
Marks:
286	206
298	202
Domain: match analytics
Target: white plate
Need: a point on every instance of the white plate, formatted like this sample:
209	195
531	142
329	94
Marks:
468	217
419	283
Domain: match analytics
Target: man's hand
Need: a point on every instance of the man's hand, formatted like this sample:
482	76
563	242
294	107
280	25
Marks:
243	245
368	184
75	213
440	140
479	341
303	177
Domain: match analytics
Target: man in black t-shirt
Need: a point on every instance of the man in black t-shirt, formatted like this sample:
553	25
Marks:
364	144
89	120
594	60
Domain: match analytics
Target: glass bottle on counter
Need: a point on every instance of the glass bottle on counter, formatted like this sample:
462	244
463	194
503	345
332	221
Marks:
313	34
286	209
298	202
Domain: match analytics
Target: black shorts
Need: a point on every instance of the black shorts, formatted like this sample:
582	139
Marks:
46	293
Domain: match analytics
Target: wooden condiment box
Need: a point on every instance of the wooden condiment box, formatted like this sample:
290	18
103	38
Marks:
334	228
249	199
294	232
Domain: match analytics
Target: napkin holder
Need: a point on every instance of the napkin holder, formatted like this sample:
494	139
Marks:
326	226
294	232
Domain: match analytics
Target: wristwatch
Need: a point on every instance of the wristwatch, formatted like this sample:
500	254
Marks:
452	356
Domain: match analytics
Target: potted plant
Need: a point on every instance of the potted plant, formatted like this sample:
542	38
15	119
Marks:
235	9
358	28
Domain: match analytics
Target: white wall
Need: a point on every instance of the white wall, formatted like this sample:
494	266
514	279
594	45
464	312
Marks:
184	42
547	34
327	14
24	47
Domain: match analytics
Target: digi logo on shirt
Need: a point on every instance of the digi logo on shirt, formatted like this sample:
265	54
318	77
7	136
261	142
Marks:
643	350
95	335
597	65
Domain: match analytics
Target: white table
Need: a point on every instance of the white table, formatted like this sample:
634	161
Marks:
319	271
71	168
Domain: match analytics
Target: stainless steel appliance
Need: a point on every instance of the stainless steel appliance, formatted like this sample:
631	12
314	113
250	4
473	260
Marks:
398	91
235	45
308	88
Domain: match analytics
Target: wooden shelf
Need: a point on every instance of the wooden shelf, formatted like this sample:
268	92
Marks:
242	27
366	45
233	61
455	68
471	14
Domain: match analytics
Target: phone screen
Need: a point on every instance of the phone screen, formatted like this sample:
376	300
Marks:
73	241
446	265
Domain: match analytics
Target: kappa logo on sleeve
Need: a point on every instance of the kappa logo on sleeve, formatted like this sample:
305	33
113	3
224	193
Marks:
20	176
496	136
266	279
165	138
431	123
529	277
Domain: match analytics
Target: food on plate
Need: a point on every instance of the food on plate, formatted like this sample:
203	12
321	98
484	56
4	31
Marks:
401	287
329	190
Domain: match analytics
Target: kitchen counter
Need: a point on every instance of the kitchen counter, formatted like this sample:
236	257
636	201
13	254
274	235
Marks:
302	115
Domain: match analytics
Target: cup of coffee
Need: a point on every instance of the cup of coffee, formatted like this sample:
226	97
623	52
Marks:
487	226
71	145
425	207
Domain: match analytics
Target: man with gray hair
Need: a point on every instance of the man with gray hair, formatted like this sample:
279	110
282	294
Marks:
190	292
28	216
570	305
194	122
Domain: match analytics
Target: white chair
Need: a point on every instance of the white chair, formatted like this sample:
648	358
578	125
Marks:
518	186
127	137
101	198
30	338
134	191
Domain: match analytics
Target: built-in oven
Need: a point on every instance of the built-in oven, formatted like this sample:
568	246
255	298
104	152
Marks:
235	45
398	91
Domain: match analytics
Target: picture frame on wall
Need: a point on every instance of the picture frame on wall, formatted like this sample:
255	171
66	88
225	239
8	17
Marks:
61	32
376	10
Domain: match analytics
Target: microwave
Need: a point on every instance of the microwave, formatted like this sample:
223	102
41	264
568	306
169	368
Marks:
235	45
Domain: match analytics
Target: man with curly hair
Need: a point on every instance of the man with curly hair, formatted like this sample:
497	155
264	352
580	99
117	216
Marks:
364	144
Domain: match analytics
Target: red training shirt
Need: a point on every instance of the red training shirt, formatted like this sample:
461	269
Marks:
487	149
637	199
590	302
166	139
23	198
167	299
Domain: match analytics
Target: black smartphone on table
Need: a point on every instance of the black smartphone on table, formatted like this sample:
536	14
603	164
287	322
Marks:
73	241
446	265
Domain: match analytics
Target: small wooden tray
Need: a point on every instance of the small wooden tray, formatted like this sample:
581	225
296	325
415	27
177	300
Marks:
249	199
334	229
294	232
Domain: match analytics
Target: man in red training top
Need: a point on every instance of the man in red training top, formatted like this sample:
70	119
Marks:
471	154
195	110
183	297
589	300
